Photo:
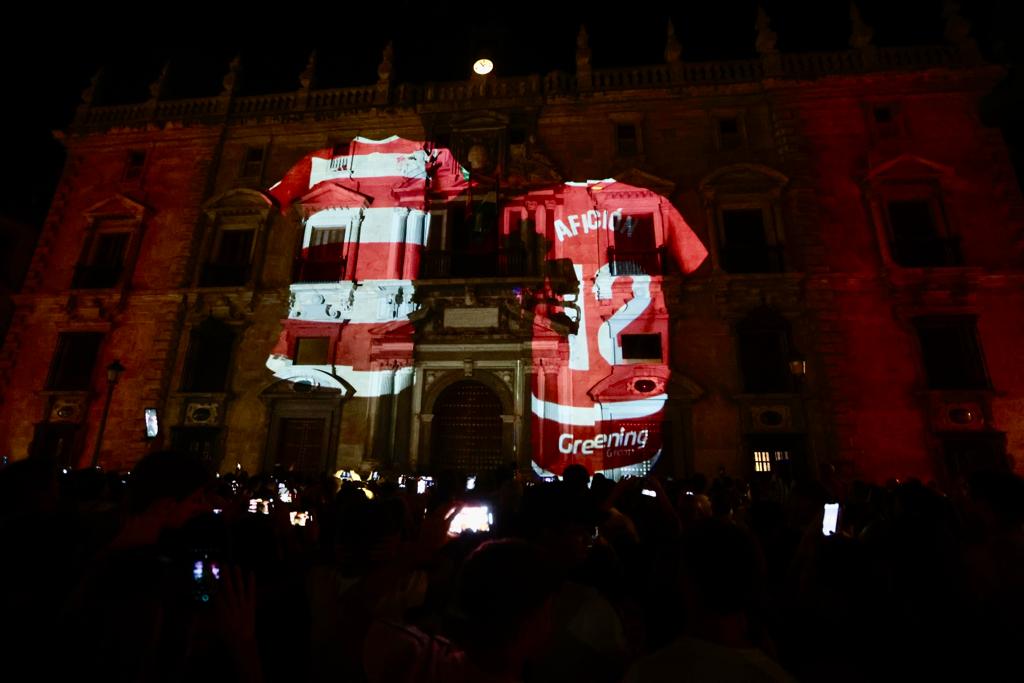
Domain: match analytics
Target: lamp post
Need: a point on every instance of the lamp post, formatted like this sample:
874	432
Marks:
114	371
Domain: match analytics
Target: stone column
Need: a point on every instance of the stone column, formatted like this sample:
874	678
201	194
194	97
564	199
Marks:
415	240
396	250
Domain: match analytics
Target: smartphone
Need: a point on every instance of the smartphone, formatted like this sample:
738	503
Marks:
205	576
422	483
471	518
830	519
284	494
471	483
649	493
152	423
260	506
299	518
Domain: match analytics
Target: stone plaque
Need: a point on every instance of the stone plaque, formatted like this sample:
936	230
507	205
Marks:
471	317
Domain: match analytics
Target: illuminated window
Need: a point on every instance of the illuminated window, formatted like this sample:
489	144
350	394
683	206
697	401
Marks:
134	165
916	237
103	258
627	140
74	361
762	461
252	163
951	352
641	347
208	359
311	350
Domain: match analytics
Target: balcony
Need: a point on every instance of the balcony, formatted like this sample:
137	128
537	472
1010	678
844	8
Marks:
224	275
312	270
96	277
509	262
636	261
753	259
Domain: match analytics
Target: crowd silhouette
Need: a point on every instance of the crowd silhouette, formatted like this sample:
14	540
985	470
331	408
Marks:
173	573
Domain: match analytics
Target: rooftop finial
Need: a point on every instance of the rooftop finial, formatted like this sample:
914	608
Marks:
386	62
860	33
958	32
308	75
156	88
766	37
230	81
89	94
673	48
582	49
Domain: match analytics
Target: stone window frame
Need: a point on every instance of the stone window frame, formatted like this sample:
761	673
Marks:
908	177
717	116
116	215
627	119
745	186
237	209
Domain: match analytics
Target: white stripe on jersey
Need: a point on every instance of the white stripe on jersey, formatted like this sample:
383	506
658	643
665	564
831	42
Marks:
386	224
373	165
589	416
364	383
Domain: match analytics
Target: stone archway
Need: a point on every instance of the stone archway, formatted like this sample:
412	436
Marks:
467	428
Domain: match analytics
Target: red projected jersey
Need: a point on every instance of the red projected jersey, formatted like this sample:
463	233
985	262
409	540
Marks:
364	210
602	406
598	394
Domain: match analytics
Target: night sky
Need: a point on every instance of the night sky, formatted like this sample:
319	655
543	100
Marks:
433	42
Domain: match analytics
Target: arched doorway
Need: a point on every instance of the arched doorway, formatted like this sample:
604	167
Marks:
467	428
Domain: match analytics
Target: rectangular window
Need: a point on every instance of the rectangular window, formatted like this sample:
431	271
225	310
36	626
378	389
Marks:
917	241
730	133
301	444
783	455
234	246
323	236
745	243
311	350
627	140
885	121
74	361
951	353
208	359
134	164
641	347
324	259
635	250
762	461
252	163
102	262
199	441
229	260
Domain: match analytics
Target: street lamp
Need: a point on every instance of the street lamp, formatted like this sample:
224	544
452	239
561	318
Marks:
114	371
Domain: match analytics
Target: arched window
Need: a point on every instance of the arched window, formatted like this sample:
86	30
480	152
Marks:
765	350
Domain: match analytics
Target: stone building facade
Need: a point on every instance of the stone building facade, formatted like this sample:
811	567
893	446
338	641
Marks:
860	312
